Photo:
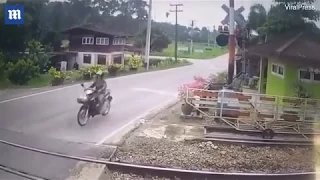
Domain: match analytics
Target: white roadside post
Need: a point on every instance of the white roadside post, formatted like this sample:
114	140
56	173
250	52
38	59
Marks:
147	48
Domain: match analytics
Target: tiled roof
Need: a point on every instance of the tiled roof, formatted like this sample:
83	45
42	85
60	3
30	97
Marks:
97	28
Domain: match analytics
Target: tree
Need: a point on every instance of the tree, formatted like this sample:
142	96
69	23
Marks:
44	21
257	16
159	40
37	54
279	20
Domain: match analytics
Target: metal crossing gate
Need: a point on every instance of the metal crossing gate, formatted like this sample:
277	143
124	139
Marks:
258	112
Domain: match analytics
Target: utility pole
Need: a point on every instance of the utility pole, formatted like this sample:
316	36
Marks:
176	34
208	36
191	39
231	43
214	32
147	48
244	61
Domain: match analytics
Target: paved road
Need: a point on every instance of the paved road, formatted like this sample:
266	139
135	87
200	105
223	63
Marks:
51	112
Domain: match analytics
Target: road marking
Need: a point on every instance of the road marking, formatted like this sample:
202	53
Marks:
155	91
74	85
136	119
36	94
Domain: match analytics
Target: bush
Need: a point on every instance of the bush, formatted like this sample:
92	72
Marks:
113	69
220	77
135	62
89	71
2	66
22	71
58	77
38	54
154	62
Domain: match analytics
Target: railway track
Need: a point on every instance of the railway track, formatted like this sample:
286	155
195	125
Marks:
256	141
147	170
228	135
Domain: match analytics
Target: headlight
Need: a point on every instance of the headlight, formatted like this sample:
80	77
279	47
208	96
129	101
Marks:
89	91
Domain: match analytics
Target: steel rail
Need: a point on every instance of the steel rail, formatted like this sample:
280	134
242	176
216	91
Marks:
195	174
164	171
252	131
254	141
20	173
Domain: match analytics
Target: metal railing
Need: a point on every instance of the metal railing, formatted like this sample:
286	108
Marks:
252	112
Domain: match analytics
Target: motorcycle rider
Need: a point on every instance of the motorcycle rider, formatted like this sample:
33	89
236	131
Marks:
100	85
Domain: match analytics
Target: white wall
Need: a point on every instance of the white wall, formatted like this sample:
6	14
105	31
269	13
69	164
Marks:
94	58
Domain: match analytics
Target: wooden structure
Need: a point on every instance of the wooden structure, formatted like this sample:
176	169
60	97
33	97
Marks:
92	45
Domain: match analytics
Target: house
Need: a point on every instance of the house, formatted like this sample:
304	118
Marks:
290	58
93	45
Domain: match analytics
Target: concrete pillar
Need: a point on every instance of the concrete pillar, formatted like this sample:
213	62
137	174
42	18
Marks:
263	63
110	60
122	58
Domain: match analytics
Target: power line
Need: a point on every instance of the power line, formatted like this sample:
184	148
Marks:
176	34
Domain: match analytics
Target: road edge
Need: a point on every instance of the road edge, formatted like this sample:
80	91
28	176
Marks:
98	171
119	138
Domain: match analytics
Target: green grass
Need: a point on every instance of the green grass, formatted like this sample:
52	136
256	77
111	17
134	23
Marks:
207	54
42	80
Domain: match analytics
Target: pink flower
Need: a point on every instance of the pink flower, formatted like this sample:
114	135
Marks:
199	83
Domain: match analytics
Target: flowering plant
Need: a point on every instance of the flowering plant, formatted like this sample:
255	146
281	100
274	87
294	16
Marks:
198	83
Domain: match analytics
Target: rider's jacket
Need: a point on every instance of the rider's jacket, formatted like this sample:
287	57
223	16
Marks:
100	85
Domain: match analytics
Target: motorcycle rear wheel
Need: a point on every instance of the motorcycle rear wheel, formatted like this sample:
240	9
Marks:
106	107
83	116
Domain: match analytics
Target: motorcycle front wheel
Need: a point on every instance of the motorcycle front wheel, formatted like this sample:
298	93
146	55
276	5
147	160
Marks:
83	115
106	107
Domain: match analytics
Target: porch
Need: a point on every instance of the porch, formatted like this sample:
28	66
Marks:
84	59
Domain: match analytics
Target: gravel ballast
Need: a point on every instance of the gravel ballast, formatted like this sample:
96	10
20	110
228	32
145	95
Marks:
124	176
211	156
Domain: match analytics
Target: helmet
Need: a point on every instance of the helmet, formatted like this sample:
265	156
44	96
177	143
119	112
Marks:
99	74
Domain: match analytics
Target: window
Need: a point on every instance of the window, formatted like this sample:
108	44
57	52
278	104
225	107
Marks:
87	58
119	41
277	70
102	59
274	68
280	70
87	40
304	74
102	41
117	60
316	76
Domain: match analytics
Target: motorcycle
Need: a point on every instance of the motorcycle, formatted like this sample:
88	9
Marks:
90	106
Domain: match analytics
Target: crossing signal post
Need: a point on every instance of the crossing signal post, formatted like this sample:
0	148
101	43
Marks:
222	38
233	16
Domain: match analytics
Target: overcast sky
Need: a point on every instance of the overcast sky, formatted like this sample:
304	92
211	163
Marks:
204	12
